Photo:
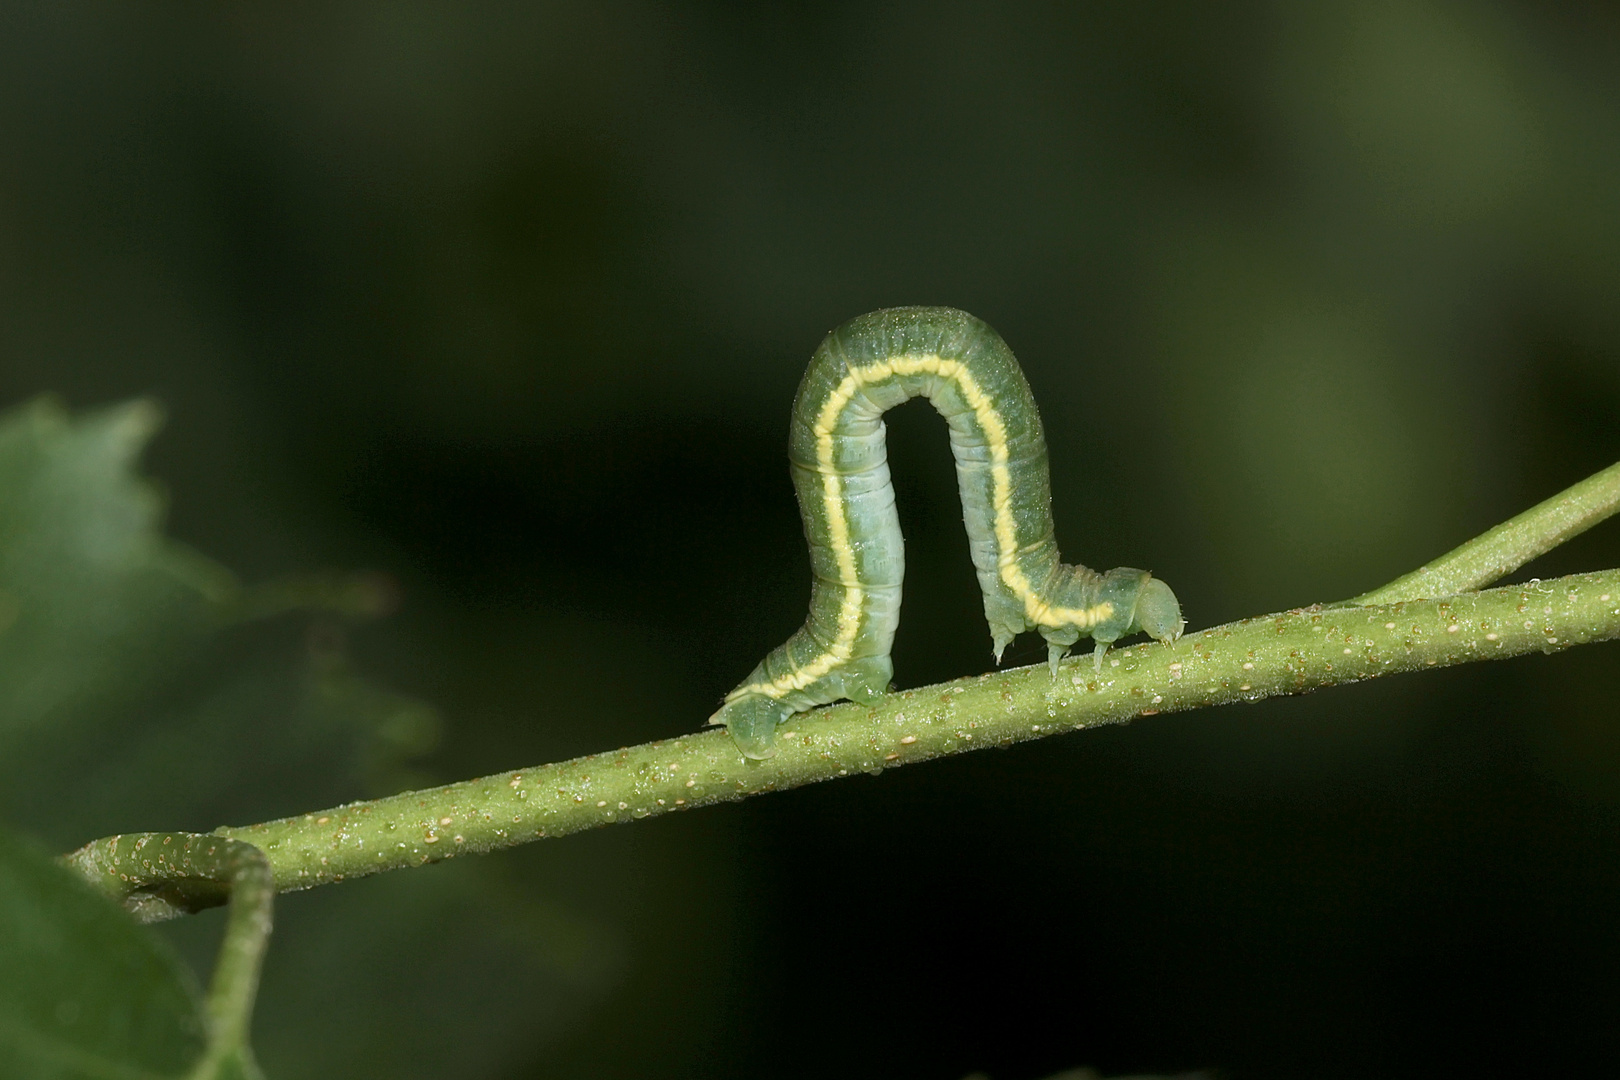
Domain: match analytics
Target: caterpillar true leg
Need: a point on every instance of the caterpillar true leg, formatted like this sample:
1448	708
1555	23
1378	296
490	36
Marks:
840	469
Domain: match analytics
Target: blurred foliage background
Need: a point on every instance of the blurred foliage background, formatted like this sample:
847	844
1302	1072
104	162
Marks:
505	305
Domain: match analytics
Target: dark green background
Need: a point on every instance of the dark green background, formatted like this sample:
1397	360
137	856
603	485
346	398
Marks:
508	303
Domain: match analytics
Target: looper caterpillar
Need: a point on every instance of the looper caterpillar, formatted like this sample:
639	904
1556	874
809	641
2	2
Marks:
840	470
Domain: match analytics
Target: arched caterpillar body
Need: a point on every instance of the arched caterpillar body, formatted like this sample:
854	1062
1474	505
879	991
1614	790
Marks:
840	470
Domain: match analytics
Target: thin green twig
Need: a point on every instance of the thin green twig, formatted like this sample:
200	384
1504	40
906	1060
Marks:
1491	556
162	875
1286	653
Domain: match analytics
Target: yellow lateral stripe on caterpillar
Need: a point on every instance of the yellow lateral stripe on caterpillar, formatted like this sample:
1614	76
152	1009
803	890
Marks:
995	431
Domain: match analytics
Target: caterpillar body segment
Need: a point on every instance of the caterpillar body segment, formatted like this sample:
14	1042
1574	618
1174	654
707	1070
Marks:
840	470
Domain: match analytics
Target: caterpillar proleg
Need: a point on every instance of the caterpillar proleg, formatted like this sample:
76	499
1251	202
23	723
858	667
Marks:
840	469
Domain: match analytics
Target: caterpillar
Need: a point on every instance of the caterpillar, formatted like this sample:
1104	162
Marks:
840	470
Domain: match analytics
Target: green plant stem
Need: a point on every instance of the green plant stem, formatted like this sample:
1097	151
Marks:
162	875
1489	557
1389	630
1286	653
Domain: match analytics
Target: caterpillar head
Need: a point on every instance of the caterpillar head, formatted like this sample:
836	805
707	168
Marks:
1158	612
1142	604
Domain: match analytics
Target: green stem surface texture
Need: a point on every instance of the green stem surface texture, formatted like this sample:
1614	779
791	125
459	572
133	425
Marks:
1287	653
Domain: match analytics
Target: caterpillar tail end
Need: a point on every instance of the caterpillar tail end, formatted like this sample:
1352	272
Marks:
752	721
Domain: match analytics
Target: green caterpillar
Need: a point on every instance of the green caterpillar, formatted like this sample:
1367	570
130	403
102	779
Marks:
840	469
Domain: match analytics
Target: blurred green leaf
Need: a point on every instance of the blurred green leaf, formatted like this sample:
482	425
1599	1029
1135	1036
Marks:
121	703
141	687
84	991
94	601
